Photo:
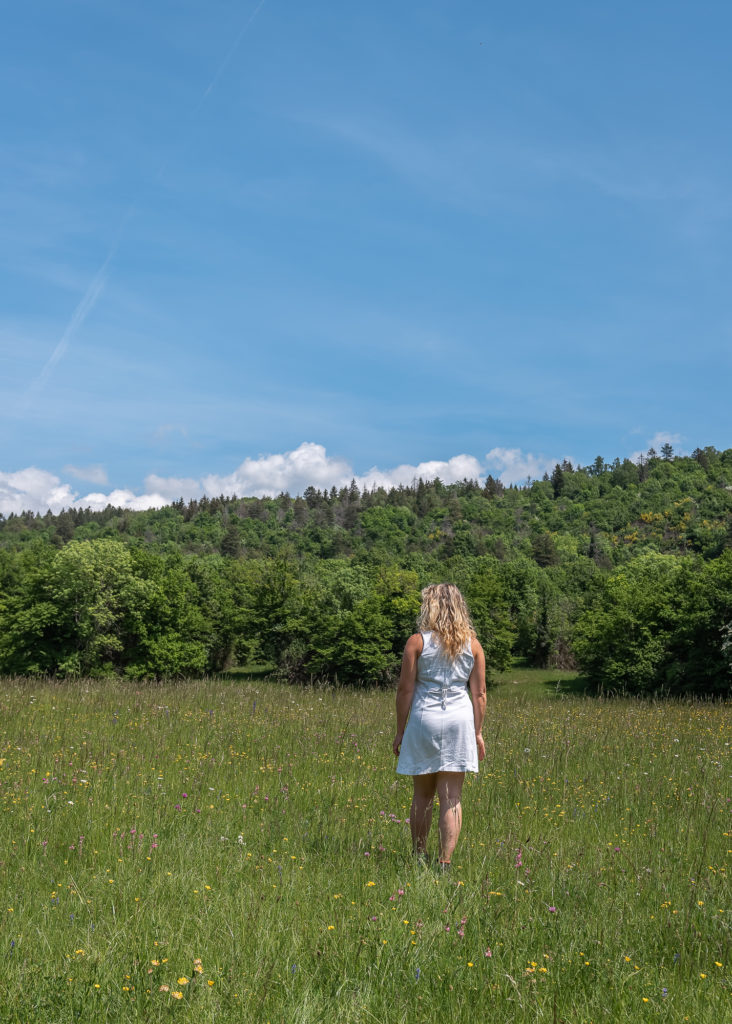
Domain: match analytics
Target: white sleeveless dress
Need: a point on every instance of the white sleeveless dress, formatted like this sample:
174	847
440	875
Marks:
440	733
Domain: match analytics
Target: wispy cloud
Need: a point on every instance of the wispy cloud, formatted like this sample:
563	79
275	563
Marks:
478	170
173	487
456	168
96	474
515	466
660	438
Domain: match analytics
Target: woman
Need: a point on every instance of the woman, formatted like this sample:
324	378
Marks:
442	690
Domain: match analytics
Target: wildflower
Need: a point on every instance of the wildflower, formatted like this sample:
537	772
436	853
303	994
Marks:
370	883
164	988
177	995
488	953
664	993
183	980
210	982
331	927
417	973
552	910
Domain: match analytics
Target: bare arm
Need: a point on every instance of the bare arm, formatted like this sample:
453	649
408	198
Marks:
405	689
477	695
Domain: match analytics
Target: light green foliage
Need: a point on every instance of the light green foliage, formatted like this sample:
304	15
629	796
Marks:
350	623
659	625
254	836
624	641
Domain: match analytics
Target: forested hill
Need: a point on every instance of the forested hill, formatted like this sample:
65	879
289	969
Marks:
327	583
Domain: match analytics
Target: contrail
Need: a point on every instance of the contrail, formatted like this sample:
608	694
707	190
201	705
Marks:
82	311
79	316
227	59
184	127
96	287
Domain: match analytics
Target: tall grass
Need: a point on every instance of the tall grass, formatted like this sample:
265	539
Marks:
239	851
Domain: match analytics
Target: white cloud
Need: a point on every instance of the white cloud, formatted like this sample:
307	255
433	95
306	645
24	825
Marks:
96	474
514	466
33	489
307	465
459	467
121	499
173	487
310	465
660	438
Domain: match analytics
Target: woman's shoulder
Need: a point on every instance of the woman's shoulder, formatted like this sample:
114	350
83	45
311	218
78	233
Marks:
414	644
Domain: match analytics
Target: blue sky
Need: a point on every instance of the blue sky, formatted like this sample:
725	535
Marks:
247	246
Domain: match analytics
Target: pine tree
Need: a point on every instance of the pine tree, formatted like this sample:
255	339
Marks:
557	480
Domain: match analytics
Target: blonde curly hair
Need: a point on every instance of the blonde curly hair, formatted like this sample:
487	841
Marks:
445	613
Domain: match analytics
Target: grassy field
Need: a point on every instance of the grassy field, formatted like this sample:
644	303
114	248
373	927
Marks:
235	850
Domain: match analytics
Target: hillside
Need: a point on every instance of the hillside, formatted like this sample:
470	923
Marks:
326	583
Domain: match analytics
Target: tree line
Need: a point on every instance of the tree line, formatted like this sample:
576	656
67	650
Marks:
622	569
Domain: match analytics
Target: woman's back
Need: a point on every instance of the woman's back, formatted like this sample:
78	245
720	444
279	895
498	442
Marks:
436	668
440	734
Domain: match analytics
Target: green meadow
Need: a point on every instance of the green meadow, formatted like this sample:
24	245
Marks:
238	850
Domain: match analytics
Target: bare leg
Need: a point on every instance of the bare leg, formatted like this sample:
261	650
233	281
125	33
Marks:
449	791
420	816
